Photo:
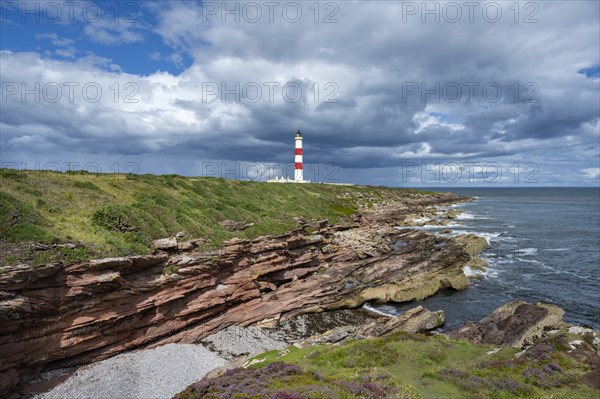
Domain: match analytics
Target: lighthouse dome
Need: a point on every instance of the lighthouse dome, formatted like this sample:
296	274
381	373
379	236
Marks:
298	134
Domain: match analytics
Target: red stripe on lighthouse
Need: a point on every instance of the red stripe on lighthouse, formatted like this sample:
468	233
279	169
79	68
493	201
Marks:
298	165
298	151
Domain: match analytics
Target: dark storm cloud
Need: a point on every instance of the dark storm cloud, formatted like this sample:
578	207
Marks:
548	108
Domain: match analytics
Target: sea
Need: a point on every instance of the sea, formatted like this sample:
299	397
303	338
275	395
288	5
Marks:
544	246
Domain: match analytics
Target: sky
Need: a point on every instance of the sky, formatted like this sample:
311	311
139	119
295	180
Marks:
396	93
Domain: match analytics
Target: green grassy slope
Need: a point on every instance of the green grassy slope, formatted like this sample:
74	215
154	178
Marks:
121	214
411	367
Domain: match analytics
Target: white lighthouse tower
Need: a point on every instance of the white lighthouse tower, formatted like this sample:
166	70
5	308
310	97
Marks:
299	172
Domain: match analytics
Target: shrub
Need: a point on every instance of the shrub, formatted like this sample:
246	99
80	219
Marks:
115	217
20	222
167	271
281	381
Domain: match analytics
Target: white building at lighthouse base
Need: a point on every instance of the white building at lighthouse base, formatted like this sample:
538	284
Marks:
281	179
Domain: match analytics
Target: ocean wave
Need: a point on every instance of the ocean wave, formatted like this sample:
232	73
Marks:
552	270
465	215
489	272
422	220
424	227
508	239
555	271
371	309
431	227
502	261
527	251
468	215
529	260
454	224
492	273
469	272
488	236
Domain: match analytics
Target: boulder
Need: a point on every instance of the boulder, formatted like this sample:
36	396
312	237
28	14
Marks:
319	224
414	320
473	244
165	244
515	323
190	245
38	246
299	220
452	214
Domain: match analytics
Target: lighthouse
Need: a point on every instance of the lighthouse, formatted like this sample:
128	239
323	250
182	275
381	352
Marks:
298	168
299	174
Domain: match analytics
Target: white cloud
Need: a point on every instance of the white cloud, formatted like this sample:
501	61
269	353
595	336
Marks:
155	55
109	32
591	173
176	59
424	120
57	41
68	52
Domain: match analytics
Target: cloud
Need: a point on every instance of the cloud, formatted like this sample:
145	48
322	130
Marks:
176	59
591	173
57	41
109	32
155	55
369	64
66	48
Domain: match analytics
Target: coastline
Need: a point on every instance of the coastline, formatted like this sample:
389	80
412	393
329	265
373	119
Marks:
543	247
104	307
238	342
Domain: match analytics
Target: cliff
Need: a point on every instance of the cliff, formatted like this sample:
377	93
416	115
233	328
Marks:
59	316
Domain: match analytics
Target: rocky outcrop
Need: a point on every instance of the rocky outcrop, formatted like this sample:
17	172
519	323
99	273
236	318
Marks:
165	244
414	320
403	213
235	226
473	244
516	323
171	244
62	316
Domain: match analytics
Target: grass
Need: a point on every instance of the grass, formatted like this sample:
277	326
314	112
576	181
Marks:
416	366
120	214
283	381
